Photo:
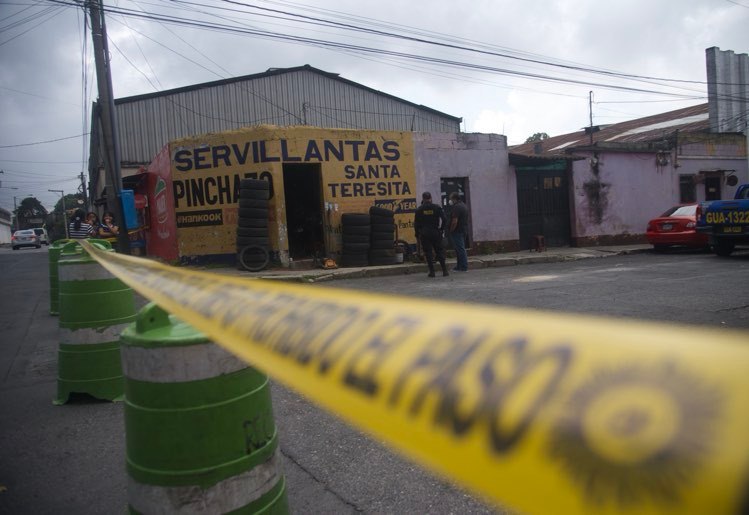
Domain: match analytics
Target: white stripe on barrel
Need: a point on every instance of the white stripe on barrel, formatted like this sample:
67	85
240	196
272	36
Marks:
92	335
178	364
223	497
82	272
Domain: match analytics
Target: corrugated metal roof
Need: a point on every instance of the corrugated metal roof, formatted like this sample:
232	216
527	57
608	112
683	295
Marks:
291	96
642	130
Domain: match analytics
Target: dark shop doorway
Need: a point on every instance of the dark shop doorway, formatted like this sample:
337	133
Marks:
450	185
302	187
543	205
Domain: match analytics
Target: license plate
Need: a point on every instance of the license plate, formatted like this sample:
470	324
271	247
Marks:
666	227
733	229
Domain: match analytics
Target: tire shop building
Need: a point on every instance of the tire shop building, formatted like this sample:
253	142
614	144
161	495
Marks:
316	175
328	146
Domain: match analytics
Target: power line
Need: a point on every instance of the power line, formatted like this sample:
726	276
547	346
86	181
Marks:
339	46
52	11
44	142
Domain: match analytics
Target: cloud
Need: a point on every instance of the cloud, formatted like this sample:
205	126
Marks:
42	72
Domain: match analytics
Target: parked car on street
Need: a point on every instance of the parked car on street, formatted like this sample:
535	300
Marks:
42	233
726	222
25	238
677	226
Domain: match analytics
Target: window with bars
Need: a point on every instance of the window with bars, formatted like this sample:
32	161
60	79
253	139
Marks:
687	189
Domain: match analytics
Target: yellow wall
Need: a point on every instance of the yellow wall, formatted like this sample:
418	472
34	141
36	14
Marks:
358	168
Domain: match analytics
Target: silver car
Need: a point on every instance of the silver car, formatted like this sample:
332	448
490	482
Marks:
25	238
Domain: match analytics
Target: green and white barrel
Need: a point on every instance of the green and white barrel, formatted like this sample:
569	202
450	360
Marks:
95	307
54	283
199	424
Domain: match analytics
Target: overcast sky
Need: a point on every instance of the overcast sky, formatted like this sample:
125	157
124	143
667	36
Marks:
43	67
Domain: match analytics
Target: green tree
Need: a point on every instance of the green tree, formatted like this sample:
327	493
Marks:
30	213
539	136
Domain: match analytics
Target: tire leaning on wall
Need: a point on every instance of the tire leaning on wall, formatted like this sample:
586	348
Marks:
199	424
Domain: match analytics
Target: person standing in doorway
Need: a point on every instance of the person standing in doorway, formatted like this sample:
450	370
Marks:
458	228
429	224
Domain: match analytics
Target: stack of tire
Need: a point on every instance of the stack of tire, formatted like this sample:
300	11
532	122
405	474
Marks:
252	225
355	233
381	236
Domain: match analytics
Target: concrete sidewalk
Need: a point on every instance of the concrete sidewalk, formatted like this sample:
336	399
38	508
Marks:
551	255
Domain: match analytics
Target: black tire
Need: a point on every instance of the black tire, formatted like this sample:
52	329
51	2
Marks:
383	236
382	244
659	247
254	184
351	219
355	247
246	241
253	232
383	227
254	194
378	253
253	258
355	238
351	261
253	212
382	220
253	203
352	230
382	261
257	223
724	248
380	211
15	248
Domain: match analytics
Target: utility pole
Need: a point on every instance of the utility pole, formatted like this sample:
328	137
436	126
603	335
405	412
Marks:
83	190
590	110
108	120
15	210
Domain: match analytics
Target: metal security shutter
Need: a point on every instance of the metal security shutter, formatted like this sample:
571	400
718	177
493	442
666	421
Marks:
543	205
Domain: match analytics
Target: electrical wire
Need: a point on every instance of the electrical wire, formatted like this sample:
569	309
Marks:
52	12
44	142
338	46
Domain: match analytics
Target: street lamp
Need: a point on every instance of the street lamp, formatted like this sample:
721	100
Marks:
64	217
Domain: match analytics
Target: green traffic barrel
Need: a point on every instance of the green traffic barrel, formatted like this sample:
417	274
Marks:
54	284
95	307
198	422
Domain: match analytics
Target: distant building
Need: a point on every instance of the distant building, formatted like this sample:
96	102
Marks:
602	184
6	225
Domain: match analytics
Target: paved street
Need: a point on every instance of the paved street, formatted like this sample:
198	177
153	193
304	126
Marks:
70	459
681	286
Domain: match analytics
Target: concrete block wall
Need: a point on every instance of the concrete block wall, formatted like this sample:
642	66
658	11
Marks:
483	160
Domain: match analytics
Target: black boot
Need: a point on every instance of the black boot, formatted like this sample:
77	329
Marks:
445	273
431	270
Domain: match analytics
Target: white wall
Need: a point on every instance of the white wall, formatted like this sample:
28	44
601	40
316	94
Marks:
482	159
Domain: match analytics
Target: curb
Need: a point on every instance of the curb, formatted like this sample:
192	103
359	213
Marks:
474	263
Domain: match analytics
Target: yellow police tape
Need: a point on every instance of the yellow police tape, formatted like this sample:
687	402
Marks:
548	413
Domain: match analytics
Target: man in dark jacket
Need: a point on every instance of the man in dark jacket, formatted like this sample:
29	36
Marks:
430	224
458	229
